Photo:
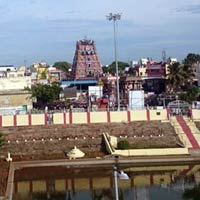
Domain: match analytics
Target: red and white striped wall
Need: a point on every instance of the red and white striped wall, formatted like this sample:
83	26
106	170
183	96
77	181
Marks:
84	117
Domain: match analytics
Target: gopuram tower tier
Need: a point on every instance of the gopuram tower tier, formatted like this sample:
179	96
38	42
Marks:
86	64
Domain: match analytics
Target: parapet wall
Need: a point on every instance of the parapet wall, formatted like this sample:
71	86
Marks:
141	152
152	152
88	117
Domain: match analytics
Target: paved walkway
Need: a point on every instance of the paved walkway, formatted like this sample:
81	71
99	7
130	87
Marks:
188	132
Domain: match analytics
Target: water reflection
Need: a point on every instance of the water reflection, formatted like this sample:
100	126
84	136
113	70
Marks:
145	183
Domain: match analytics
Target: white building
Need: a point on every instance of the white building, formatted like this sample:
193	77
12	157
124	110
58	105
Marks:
13	98
144	61
6	68
172	60
15	83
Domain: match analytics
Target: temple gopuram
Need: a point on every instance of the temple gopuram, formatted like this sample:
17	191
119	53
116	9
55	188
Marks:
86	63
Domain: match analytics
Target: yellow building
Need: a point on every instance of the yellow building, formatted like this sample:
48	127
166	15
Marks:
142	71
42	70
42	73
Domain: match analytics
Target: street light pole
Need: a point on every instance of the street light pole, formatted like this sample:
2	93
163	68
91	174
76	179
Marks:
121	175
114	18
115	183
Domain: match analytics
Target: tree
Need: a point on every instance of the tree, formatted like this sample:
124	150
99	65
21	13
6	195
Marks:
175	77
192	59
105	69
191	94
2	139
121	67
188	74
45	93
132	71
179	77
62	65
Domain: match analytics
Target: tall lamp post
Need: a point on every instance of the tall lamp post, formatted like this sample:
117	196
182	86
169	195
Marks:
114	18
121	175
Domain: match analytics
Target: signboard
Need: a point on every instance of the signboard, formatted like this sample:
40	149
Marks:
136	99
95	90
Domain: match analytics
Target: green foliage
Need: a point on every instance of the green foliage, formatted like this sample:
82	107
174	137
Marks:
121	67
105	69
191	94
188	73
45	93
179	77
123	144
175	77
62	65
192	59
2	139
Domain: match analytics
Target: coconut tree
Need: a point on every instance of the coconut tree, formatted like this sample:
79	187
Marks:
179	77
188	74
175	77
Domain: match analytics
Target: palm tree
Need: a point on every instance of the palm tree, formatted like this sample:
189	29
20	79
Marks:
180	77
188	73
175	77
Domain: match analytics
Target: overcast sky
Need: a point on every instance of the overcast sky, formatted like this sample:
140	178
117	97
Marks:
47	30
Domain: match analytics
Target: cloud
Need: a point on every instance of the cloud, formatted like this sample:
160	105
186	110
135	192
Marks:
190	9
72	12
51	28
